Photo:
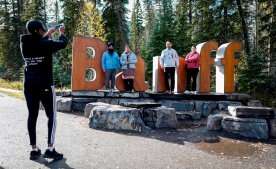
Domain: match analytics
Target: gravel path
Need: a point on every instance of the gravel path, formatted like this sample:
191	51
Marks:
85	148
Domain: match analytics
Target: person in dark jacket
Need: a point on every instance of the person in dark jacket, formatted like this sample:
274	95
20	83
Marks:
110	65
37	49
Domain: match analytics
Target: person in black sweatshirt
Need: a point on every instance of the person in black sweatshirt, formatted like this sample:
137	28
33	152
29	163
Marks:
37	49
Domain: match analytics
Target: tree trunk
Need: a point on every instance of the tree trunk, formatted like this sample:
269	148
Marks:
225	20
272	44
244	28
190	11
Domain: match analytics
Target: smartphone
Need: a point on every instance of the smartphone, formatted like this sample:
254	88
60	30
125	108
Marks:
59	26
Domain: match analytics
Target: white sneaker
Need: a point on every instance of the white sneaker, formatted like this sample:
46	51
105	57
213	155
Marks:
187	92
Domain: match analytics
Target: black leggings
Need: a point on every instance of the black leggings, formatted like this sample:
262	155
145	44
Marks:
47	97
169	76
192	75
128	84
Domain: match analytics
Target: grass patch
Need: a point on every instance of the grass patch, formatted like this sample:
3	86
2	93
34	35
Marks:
18	95
16	85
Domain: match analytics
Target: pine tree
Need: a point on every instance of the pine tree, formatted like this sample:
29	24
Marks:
10	30
182	28
203	25
116	27
34	9
90	22
137	29
71	14
149	19
62	60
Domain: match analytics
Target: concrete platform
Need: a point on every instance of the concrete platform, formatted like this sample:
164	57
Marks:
158	96
80	98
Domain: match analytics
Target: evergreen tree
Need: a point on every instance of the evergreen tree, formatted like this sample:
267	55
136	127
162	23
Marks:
34	9
136	27
62	60
116	27
90	22
10	30
203	25
182	28
149	19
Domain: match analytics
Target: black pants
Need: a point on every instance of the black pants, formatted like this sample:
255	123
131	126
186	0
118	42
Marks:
128	84
192	76
110	76
169	77
46	95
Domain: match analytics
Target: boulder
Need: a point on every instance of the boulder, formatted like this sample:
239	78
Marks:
255	103
272	128
183	106
88	108
205	107
162	117
64	104
114	117
88	94
180	105
130	95
251	112
183	115
140	104
246	127
108	100
223	105
214	122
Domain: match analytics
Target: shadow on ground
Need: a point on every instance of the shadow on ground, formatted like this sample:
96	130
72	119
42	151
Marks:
196	133
54	164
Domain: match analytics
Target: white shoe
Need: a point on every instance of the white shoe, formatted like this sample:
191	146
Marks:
187	92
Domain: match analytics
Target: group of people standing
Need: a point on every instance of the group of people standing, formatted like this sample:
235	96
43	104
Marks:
111	63
169	61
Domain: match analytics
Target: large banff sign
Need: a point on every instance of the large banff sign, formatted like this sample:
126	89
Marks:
88	75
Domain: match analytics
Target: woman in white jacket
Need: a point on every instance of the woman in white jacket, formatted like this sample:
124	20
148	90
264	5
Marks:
128	61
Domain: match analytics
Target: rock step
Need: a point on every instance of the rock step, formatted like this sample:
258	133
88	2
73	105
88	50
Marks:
90	106
251	112
214	122
113	117
272	128
193	115
140	105
246	127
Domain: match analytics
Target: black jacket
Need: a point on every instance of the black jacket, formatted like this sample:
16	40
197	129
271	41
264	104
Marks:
37	54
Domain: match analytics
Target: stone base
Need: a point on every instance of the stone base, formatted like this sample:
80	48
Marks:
246	127
251	112
64	104
160	117
214	122
255	103
90	106
272	128
112	117
193	115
